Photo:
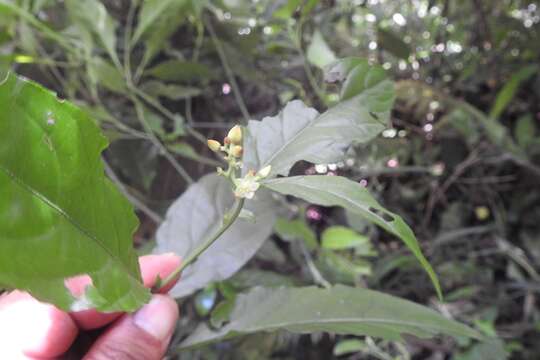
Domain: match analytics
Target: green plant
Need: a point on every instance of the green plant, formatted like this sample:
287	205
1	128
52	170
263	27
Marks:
51	171
459	161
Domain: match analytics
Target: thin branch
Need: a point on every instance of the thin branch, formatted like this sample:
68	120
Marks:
156	218
163	150
228	71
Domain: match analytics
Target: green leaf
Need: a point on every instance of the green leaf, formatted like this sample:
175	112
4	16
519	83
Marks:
524	131
341	237
506	94
339	191
196	215
157	33
392	42
103	73
92	15
492	349
296	229
60	216
181	71
339	310
340	269
170	91
318	52
286	11
151	12
301	133
222	312
349	346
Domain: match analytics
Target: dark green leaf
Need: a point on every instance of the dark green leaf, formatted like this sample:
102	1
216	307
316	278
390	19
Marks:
525	131
339	191
340	310
392	42
181	71
170	91
61	216
157	33
151	12
104	74
506	94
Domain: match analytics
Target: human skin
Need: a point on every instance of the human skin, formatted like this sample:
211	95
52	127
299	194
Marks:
30	329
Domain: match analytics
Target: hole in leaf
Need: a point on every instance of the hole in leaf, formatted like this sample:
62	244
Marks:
373	115
382	214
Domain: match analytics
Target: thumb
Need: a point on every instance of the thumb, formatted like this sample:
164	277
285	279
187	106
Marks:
143	335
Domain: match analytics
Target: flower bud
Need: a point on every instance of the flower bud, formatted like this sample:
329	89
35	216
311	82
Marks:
214	145
236	151
226	141
235	135
265	171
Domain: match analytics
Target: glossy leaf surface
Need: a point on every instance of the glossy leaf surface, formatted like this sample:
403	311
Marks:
60	216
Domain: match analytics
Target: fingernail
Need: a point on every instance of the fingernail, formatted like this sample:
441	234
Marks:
158	317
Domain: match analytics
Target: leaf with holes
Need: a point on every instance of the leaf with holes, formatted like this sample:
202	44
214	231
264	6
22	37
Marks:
339	310
339	191
60	216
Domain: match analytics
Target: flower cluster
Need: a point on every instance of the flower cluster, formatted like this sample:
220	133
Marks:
244	187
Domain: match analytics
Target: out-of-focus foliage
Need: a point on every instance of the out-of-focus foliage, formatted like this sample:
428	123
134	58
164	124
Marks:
460	163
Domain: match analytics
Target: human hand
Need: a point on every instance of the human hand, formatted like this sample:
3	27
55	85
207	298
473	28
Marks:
33	330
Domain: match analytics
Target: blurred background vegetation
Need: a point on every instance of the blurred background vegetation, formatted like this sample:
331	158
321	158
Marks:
461	162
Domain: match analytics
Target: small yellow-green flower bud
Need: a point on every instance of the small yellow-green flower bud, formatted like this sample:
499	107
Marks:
235	135
482	213
265	171
236	151
214	145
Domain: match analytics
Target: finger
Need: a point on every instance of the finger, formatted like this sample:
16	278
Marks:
151	267
144	335
162	265
32	328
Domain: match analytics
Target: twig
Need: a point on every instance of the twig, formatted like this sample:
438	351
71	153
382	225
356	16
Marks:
317	276
198	44
307	69
438	193
136	202
154	103
228	72
163	151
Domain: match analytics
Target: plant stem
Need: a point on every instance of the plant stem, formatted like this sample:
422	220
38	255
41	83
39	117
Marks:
155	217
228	219
153	138
156	104
228	71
